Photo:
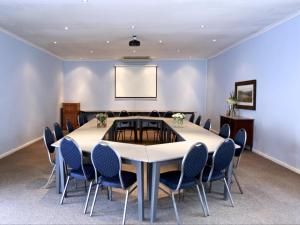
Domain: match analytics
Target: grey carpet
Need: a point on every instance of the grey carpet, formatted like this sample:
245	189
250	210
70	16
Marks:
271	196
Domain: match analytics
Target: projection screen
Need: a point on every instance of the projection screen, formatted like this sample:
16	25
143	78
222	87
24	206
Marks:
136	81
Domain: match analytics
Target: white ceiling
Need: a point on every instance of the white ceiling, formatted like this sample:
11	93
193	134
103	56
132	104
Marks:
176	22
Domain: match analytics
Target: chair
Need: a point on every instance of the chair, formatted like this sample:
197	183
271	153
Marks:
58	131
240	139
225	131
168	114
198	120
189	176
48	141
124	125
81	119
153	126
73	159
107	162
70	127
192	118
110	114
221	160
207	124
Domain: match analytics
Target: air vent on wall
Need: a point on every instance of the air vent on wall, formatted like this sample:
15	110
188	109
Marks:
137	59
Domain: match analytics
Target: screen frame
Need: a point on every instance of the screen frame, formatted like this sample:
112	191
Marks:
137	97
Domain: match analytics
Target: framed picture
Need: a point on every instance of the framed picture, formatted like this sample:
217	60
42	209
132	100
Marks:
245	92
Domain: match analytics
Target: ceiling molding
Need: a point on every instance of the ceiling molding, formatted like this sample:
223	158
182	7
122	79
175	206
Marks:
29	43
252	36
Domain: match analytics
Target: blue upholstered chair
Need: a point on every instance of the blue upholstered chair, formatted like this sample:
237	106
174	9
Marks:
73	159
152	125
192	118
110	114
48	141
81	119
69	126
240	139
58	131
207	124
189	176
221	160
123	126
107	162
198	120
168	114
225	131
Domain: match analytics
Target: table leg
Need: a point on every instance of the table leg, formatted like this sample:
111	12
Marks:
149	179
140	189
154	190
59	173
229	179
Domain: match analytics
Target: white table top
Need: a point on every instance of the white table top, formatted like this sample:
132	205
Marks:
88	135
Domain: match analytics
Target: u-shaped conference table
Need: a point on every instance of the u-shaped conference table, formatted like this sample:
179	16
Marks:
88	135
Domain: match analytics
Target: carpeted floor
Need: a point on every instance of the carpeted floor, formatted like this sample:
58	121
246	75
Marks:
271	196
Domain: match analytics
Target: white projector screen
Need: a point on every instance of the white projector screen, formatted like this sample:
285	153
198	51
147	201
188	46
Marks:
136	81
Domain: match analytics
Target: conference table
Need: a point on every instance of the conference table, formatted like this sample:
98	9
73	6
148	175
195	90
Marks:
154	156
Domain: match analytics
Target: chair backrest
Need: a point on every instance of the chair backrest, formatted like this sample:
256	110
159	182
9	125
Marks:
154	113
207	124
106	161
80	120
240	139
71	153
223	156
198	120
225	131
192	118
123	113
193	162
69	125
110	114
48	140
168	114
58	131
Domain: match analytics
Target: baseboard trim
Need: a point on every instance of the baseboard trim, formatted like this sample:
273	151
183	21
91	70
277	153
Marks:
5	154
277	161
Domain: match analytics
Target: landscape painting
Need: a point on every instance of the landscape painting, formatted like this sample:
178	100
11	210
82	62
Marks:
245	92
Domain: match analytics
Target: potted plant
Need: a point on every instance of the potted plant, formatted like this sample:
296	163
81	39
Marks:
101	119
178	119
232	103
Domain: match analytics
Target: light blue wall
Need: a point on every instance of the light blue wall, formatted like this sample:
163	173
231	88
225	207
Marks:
181	86
30	92
273	59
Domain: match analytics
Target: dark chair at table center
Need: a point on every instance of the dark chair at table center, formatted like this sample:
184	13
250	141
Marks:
81	119
192	118
58	131
225	131
198	120
69	125
189	176
207	124
152	126
48	138
108	163
123	126
168	114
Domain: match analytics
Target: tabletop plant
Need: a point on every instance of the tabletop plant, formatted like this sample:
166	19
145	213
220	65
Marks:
178	119
101	119
232	103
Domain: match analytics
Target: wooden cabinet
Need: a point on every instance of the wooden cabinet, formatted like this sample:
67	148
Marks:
237	123
70	111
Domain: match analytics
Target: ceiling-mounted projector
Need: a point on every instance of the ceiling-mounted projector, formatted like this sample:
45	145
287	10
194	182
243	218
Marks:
134	42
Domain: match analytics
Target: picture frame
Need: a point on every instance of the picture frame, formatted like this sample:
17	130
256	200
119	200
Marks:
245	93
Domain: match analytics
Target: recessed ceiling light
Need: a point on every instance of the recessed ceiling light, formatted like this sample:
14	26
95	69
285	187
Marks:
66	28
202	26
214	40
84	1
55	42
132	27
178	50
91	51
107	42
160	41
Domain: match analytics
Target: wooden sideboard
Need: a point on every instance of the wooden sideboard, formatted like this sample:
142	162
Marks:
70	111
237	123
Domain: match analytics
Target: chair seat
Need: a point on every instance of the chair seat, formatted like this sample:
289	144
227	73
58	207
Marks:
171	179
215	175
78	174
129	179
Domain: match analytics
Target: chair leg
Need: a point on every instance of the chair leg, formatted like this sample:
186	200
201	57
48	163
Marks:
88	198
210	187
125	207
228	191
175	208
50	177
237	182
110	193
94	200
85	186
65	190
205	199
201	200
